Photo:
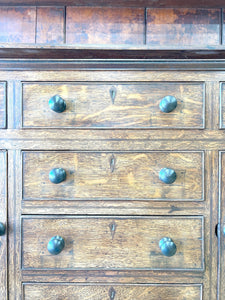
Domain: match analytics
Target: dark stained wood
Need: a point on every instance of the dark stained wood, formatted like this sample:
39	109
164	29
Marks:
133	176
3	219
109	27
119	3
17	25
19	51
103	292
183	27
204	65
132	244
105	25
133	105
50	25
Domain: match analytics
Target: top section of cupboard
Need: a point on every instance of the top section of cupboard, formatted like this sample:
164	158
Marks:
104	27
118	3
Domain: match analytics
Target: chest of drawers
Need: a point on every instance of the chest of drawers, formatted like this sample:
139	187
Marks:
112	150
112	198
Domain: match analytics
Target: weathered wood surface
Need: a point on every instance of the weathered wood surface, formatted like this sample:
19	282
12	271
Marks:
3	219
3	103
90	25
50	25
121	26
106	292
183	27
17	24
222	105
120	3
113	176
221	230
113	243
209	139
114	105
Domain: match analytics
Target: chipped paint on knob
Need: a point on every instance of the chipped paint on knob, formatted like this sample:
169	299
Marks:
56	245
167	175
57	175
167	246
168	104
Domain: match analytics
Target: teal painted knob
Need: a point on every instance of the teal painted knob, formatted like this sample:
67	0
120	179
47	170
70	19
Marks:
56	245
57	104
167	175
168	104
167	246
2	229
57	175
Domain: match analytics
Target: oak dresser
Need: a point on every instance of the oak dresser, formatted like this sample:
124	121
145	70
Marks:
112	156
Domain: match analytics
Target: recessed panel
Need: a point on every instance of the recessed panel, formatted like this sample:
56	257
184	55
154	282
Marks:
114	243
113	176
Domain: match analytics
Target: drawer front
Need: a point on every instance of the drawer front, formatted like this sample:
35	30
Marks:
114	243
113	105
107	292
2	105
111	176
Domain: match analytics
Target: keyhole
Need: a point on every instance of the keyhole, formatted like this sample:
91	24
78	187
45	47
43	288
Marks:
112	293
112	93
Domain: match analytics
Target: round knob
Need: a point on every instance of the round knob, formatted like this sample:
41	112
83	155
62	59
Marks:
168	104
167	246
2	229
56	245
167	175
57	175
57	104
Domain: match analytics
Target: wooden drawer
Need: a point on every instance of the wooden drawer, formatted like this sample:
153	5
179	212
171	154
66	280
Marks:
113	105
2	105
111	176
113	243
111	292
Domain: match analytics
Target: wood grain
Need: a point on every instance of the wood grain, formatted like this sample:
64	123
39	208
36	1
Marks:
120	3
106	292
17	24
98	25
183	27
223	26
135	176
50	25
135	105
220	233
134	244
211	140
3	219
3	102
222	105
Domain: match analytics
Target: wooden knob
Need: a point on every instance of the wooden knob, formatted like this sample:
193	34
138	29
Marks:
167	246
57	104
56	245
167	175
57	175
168	104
